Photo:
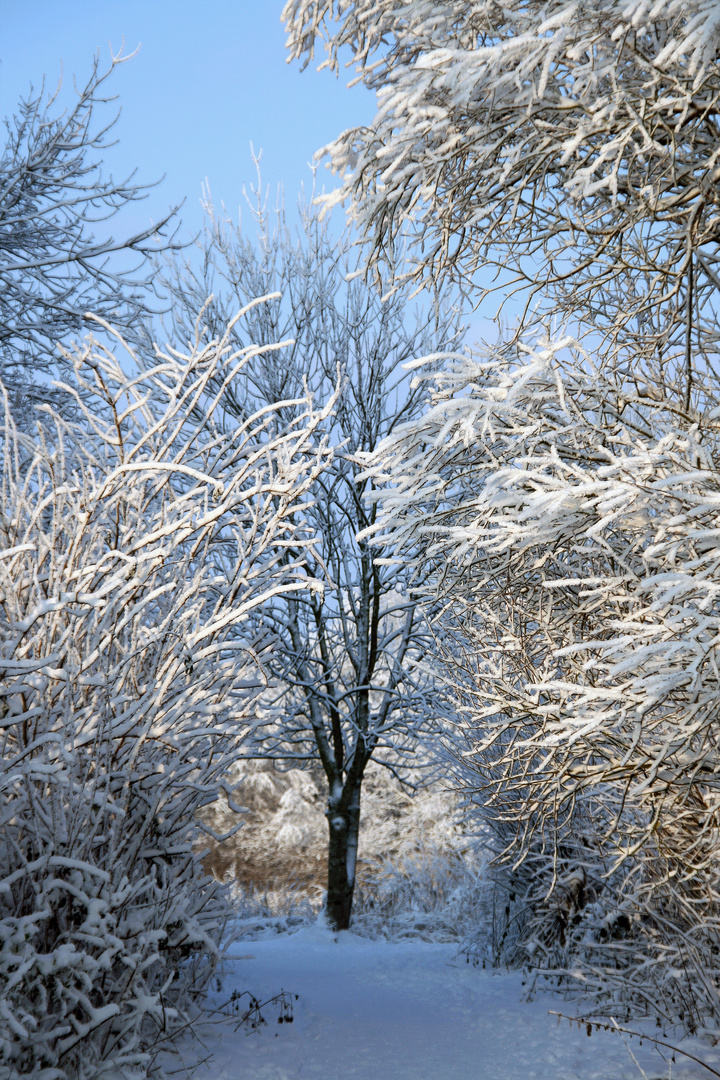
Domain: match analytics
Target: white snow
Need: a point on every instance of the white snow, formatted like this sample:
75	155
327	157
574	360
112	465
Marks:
376	1010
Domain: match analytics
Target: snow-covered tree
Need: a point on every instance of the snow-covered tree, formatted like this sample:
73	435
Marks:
573	529
57	258
135	544
350	659
568	152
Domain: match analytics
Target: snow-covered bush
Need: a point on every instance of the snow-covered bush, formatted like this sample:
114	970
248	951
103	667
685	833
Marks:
427	892
574	526
133	545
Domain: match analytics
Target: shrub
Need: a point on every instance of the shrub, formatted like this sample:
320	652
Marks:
132	547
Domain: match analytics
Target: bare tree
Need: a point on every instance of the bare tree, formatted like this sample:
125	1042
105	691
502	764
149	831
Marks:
350	660
54	267
134	544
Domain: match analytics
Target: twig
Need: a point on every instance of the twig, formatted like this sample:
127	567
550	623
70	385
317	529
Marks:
638	1034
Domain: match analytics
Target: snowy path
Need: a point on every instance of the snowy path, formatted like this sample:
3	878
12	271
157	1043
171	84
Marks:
371	1010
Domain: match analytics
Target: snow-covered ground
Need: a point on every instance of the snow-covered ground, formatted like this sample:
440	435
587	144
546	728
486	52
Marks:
376	1010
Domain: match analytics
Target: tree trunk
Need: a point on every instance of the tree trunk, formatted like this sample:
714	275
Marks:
342	860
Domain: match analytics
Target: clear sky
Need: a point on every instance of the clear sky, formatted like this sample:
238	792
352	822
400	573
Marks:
209	78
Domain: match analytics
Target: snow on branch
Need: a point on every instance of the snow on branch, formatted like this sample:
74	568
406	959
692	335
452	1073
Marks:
574	530
133	544
560	154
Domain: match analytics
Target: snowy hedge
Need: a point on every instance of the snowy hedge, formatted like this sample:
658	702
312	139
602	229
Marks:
133	543
573	520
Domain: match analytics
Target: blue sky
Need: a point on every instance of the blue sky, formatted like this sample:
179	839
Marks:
209	78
